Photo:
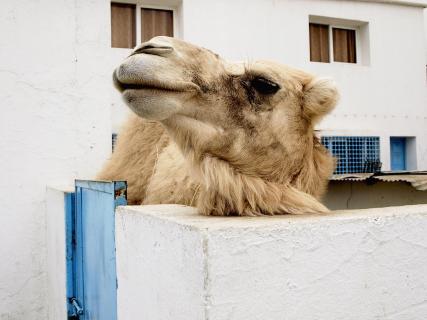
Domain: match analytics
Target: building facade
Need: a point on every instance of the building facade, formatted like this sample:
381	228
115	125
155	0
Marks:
59	107
373	49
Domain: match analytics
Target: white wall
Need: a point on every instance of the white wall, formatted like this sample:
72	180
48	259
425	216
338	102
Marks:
173	264
56	202
425	32
55	126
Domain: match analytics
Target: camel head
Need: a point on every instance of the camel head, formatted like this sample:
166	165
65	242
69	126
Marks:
250	119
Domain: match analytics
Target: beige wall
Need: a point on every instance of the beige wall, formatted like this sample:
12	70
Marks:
361	195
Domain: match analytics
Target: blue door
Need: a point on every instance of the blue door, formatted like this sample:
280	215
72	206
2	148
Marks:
93	287
398	153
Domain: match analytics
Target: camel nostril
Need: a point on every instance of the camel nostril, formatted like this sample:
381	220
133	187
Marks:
150	48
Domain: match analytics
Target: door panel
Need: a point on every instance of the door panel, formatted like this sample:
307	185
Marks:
94	270
398	153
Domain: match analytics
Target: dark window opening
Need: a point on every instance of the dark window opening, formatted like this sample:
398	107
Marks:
123	27
319	42
344	41
156	22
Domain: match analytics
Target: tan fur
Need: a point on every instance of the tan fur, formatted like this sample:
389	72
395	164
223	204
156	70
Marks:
216	143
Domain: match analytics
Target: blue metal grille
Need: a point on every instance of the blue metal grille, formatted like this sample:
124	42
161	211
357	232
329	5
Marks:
354	154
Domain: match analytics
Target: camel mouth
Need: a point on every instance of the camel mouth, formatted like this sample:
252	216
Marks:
137	86
179	86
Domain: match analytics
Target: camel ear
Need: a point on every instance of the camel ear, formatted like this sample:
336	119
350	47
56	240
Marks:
320	97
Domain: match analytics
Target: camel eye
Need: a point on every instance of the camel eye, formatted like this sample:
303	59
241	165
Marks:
264	86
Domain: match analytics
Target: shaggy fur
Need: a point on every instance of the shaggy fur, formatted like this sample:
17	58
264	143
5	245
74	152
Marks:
210	138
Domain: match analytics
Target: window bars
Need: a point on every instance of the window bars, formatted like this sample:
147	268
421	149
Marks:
113	141
354	154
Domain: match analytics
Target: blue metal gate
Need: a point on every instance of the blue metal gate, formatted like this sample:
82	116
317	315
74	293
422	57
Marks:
91	253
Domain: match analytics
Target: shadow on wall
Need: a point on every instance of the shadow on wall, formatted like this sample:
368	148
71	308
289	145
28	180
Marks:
363	195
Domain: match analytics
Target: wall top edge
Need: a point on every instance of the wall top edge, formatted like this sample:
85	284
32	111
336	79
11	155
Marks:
189	218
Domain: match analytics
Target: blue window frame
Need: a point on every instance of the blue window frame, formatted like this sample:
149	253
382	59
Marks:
398	153
354	154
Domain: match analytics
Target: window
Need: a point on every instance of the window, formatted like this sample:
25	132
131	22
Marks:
132	24
319	42
344	45
123	29
155	22
326	39
354	154
113	141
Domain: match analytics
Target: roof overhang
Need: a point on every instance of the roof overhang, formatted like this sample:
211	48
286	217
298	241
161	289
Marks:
413	3
418	179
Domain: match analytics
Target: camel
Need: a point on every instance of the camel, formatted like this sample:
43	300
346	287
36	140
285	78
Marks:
228	138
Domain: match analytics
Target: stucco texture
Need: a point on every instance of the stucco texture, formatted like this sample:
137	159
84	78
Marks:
55	126
365	264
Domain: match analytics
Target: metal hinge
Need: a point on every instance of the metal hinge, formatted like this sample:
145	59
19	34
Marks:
77	308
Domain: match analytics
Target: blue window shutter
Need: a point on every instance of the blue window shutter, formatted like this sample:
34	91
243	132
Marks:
398	153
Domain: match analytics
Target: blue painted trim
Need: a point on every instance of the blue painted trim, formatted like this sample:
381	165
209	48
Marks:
78	261
102	186
69	255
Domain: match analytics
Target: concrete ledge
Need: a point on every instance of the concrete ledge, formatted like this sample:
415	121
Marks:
360	264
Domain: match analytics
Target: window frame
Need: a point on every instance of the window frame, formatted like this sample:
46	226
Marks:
331	42
139	5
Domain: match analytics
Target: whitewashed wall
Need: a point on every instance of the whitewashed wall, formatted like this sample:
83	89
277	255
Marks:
56	247
55	126
425	32
173	264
